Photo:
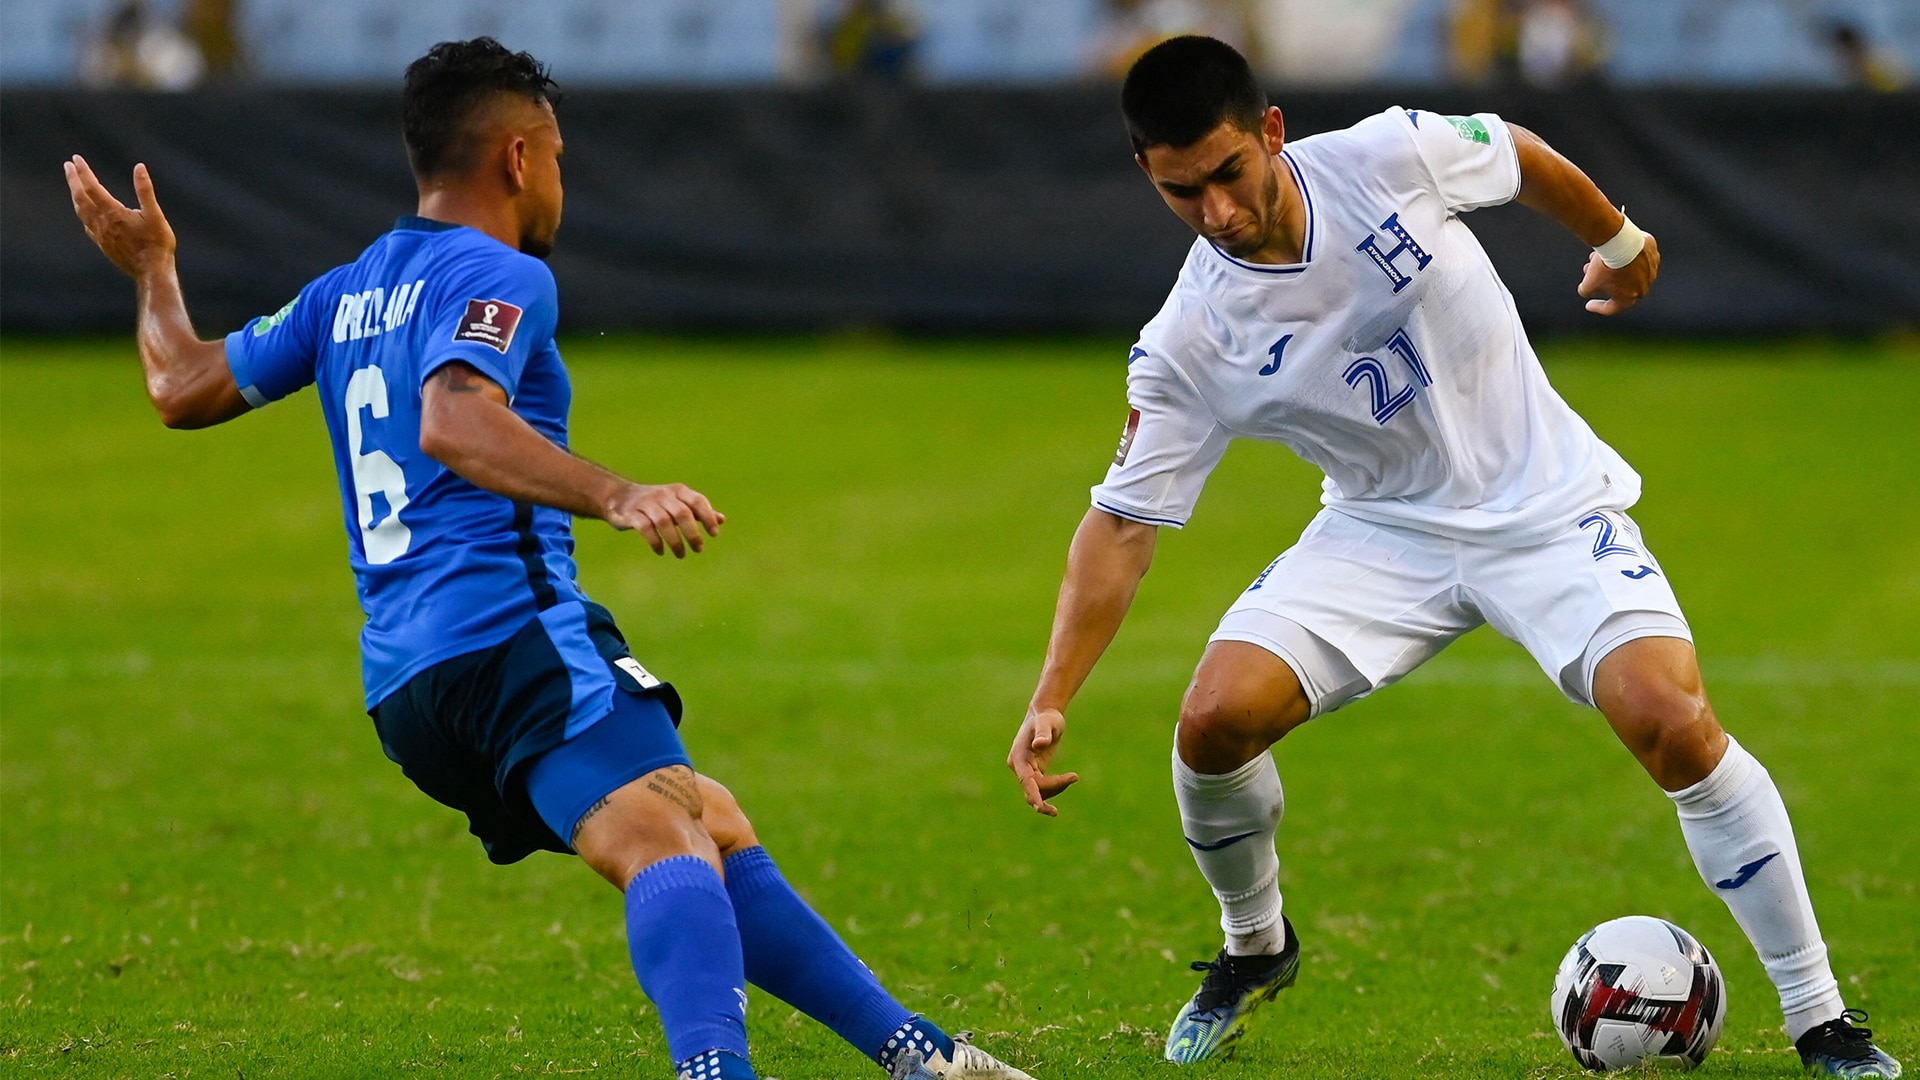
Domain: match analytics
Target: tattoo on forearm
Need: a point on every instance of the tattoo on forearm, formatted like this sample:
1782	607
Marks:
676	784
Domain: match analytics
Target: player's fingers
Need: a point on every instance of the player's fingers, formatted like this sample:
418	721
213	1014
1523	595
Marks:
96	192
710	519
686	524
668	532
646	527
1605	307
149	201
1032	789
1054	785
1593	277
85	202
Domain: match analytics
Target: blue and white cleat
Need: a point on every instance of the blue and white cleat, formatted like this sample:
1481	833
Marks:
1841	1048
969	1063
1216	1017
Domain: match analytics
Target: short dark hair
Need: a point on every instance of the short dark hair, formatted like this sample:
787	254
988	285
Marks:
448	85
1185	87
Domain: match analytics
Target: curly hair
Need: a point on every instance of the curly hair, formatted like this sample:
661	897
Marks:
446	88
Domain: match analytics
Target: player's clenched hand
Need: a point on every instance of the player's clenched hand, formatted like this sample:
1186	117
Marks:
1620	289
1032	749
668	515
133	239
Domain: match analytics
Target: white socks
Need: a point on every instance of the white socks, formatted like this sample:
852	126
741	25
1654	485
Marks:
1737	829
1229	821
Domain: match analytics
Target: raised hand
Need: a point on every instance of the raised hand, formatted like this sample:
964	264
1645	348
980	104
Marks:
136	240
1033	749
1620	289
668	515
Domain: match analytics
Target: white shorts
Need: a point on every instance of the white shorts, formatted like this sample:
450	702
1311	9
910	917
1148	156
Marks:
1355	606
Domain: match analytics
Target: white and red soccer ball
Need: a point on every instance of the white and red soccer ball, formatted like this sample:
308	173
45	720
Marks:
1638	989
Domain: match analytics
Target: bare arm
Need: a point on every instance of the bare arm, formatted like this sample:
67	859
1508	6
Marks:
1108	558
466	425
1554	186
188	379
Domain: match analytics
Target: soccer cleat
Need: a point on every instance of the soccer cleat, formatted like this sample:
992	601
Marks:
969	1063
1216	1017
1842	1049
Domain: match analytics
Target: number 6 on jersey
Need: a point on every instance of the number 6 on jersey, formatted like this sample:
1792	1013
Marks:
374	471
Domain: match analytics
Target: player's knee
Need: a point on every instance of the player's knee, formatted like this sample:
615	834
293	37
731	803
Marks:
1671	729
658	816
726	823
1225	723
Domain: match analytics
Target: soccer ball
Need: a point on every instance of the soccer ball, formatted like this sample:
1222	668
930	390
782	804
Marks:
1638	989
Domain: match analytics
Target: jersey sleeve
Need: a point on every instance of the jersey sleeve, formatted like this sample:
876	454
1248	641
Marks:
1471	159
1170	444
274	355
494	313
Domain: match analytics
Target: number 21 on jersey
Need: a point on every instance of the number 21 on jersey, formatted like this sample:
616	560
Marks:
375	473
1386	401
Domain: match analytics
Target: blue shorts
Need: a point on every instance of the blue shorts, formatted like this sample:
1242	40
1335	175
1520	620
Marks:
468	730
636	738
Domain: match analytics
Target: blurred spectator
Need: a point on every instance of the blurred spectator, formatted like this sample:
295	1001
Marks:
210	23
133	47
871	39
1546	43
1483	40
1558	43
1134	26
1862	63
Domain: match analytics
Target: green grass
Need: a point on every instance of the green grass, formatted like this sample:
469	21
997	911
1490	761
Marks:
207	868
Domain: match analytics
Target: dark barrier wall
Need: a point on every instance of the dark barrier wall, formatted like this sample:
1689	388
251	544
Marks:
955	210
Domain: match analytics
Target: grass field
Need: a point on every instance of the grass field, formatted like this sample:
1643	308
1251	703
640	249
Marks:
208	869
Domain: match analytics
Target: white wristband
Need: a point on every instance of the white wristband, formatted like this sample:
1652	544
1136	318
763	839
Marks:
1626	245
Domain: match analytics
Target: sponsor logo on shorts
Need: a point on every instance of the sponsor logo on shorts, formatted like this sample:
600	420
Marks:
489	322
1126	437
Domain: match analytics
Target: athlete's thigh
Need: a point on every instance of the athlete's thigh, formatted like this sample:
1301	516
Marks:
652	817
1352	607
1573	599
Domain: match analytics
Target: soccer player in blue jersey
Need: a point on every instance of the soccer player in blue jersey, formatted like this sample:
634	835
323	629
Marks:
494	683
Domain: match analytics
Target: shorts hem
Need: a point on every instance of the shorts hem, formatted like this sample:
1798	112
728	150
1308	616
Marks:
1315	696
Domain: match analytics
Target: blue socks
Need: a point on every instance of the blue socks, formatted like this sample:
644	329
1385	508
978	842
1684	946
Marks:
686	951
794	955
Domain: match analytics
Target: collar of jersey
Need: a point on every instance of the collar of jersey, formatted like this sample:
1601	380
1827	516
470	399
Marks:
1306	250
420	224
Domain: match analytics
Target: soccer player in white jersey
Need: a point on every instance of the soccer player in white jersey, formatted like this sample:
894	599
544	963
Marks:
1335	302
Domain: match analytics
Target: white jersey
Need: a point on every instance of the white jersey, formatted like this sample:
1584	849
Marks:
1391	357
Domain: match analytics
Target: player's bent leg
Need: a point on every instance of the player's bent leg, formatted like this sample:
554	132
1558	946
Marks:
624	795
725	822
791	952
1737	829
1242	700
1649	690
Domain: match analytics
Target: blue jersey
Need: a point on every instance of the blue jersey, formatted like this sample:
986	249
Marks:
443	568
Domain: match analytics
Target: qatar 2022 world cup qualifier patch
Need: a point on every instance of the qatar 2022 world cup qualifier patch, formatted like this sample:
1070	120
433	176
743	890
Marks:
489	322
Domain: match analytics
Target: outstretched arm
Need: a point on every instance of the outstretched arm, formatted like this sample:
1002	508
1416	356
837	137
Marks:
1108	558
1556	187
466	425
187	379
